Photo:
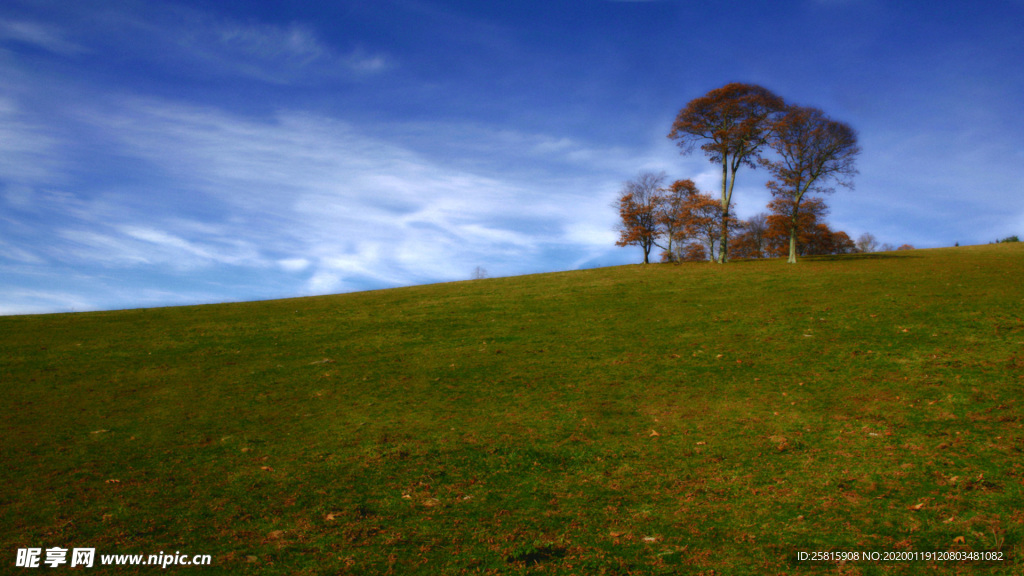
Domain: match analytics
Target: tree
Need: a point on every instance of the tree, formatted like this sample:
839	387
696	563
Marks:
703	223
751	240
812	151
693	252
819	240
479	273
731	124
814	237
867	243
906	247
638	207
780	226
671	218
843	244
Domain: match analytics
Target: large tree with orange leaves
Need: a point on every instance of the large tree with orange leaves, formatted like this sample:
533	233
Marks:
732	125
811	151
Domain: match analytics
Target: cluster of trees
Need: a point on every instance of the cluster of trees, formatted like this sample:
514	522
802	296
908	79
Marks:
685	224
736	126
867	243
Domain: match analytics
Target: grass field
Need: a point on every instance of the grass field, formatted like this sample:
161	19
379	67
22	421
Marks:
632	420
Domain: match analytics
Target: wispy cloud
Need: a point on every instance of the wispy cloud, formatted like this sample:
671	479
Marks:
39	35
317	200
45	301
27	148
270	52
131	244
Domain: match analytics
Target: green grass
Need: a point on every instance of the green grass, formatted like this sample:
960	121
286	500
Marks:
631	420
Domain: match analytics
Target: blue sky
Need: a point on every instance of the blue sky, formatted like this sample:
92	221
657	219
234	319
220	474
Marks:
160	153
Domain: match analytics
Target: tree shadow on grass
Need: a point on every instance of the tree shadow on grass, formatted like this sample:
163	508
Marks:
868	256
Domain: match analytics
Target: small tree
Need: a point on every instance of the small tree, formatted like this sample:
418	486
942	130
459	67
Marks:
905	247
779	237
671	218
479	273
732	124
814	236
866	242
703	223
638	206
750	242
843	244
693	252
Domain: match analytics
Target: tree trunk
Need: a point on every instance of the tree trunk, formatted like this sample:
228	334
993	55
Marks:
723	238
723	246
794	222
792	245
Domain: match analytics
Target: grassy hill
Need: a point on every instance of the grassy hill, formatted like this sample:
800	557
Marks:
629	420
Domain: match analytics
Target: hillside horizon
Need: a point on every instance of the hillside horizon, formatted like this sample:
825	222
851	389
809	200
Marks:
468	279
634	419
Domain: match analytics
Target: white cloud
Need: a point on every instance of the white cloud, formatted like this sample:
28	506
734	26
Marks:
273	53
277	53
94	247
292	42
130	245
41	35
27	150
359	60
313	195
324	282
44	301
11	251
294	264
19	196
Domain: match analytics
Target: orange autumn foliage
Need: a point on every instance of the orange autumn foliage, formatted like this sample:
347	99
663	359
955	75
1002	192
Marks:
731	124
638	207
813	235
